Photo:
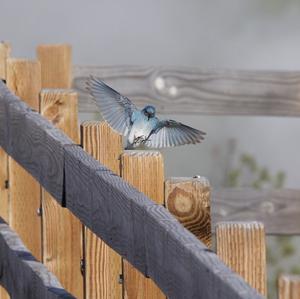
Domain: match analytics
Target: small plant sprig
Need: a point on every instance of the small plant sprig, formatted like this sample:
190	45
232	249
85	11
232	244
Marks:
249	174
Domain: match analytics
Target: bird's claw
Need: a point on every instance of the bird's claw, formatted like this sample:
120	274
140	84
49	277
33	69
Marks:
139	140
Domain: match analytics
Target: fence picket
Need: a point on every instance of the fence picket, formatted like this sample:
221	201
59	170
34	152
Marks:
4	199
289	286
24	79
5	50
188	199
62	231
56	62
241	246
103	264
145	171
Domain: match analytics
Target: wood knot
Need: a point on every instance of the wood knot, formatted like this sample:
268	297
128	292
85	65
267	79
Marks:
180	202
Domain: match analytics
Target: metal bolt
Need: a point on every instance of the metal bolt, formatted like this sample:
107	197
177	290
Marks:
197	176
82	266
121	279
39	211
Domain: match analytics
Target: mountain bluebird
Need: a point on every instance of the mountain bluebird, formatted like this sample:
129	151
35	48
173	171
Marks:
141	127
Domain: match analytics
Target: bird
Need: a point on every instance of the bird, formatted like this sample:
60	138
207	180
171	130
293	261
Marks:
141	127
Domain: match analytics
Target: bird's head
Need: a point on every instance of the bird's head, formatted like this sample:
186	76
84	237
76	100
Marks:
149	111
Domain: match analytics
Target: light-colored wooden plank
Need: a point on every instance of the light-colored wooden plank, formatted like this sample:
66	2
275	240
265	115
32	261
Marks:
103	264
56	62
145	171
3	293
24	79
278	210
188	199
4	196
242	247
62	231
184	90
5	50
289	286
60	106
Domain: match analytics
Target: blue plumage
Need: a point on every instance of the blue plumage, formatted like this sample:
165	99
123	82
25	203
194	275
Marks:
141	127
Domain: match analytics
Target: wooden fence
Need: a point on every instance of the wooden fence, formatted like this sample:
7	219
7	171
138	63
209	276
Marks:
97	233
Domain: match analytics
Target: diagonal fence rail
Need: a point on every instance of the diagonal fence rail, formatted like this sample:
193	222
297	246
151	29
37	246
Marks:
141	231
21	274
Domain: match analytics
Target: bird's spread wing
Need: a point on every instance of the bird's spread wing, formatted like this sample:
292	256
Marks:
172	133
115	108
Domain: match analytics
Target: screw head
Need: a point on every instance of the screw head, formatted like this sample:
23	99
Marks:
39	211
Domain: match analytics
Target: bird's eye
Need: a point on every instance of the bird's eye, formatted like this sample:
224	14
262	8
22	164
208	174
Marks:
146	113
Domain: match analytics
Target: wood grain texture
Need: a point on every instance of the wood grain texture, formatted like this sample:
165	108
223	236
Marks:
34	143
4	201
143	232
5	50
24	79
278	210
183	90
242	247
188	199
62	248
145	171
105	203
4	196
103	264
289	286
102	143
21	274
56	62
60	107
3	293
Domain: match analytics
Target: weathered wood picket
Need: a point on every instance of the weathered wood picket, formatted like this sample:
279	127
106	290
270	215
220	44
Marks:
289	287
4	194
24	79
103	266
62	232
102	238
242	247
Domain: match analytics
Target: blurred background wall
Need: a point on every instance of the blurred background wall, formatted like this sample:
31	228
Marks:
256	34
235	34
